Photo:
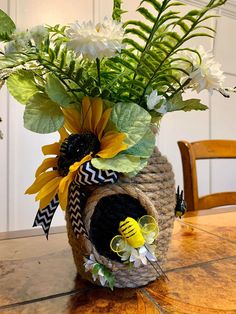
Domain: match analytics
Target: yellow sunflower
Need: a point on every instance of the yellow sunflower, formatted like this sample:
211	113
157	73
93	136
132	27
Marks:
86	139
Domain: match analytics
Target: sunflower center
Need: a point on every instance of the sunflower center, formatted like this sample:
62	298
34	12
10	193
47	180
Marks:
75	148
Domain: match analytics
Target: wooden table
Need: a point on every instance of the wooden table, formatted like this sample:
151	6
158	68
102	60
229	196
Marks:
38	276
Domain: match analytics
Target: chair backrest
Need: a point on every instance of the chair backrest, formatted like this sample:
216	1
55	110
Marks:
206	149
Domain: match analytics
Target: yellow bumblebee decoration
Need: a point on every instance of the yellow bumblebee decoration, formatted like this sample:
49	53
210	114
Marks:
134	233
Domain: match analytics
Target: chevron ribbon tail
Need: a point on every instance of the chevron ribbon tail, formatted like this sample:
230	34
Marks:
44	216
87	175
75	210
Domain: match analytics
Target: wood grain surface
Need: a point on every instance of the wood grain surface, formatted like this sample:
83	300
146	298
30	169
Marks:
38	276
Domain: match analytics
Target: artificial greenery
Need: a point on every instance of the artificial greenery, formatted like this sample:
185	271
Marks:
45	69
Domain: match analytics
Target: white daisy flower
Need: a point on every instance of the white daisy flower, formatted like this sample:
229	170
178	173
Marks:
204	73
156	102
38	33
99	41
89	262
139	256
19	42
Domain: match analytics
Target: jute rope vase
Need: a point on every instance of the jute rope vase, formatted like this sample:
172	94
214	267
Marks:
154	189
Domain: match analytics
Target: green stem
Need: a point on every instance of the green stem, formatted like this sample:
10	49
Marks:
181	88
98	72
60	78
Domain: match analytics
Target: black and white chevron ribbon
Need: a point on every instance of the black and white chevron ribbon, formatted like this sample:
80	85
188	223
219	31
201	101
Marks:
87	175
44	216
75	203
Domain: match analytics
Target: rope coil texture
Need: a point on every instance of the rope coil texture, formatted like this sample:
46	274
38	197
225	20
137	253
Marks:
154	187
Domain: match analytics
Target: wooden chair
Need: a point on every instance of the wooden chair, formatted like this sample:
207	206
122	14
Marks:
207	149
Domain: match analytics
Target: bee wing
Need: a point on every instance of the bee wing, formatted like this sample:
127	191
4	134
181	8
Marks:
118	244
148	225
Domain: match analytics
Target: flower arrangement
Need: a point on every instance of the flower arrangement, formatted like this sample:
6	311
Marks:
104	88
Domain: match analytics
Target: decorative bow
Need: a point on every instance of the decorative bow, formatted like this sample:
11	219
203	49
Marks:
87	175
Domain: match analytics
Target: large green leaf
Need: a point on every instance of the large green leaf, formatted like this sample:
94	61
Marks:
120	163
6	62
56	91
131	119
7	26
42	115
194	104
22	86
143	163
144	148
177	103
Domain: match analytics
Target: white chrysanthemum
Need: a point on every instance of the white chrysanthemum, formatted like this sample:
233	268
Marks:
204	73
19	42
102	40
156	102
38	33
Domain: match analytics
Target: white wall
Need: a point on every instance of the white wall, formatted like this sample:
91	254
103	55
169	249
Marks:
20	150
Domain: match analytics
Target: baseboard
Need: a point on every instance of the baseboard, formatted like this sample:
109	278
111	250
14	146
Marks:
30	233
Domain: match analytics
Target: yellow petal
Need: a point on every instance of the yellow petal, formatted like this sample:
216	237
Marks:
41	180
63	197
86	114
48	189
111	145
51	149
47	199
72	120
63	134
46	164
103	122
77	164
64	182
97	108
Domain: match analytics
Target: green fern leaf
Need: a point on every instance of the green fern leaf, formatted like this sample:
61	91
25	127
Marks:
71	67
208	17
78	74
154	3
130	54
174	4
145	13
133	44
206	27
172	35
154	55
198	35
52	54
125	64
63	58
183	25
137	32
57	49
144	27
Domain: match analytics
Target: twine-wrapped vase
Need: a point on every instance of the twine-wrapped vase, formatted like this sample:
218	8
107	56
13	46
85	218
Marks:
154	190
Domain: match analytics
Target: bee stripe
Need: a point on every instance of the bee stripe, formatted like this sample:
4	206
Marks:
123	230
124	223
127	237
128	230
